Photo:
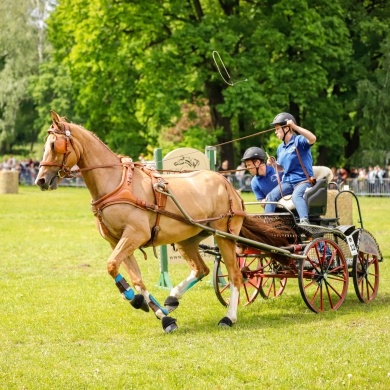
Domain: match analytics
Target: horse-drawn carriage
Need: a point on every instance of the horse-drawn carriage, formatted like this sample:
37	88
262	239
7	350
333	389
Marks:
136	207
331	254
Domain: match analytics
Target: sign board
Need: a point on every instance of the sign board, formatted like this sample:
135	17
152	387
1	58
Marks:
186	159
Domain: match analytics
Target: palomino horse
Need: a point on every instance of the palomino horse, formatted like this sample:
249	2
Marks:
133	212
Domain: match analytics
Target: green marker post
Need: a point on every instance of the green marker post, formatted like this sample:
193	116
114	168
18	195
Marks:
211	154
163	280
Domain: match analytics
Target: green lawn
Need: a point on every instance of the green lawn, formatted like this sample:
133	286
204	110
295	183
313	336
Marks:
64	325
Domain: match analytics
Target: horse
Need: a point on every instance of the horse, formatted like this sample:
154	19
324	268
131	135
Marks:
136	207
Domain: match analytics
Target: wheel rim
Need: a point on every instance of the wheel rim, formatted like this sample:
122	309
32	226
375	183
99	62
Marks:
251	281
323	276
271	287
365	272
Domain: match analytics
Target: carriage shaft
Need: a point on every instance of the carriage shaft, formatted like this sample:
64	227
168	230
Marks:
265	247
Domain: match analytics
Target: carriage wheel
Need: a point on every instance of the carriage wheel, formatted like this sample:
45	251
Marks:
251	281
271	287
323	276
365	274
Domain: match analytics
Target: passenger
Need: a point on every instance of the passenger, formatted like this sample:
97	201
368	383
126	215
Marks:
297	177
264	176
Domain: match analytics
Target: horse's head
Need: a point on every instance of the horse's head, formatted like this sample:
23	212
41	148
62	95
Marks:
59	155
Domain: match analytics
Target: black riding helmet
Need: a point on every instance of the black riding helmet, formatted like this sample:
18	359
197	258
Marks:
282	118
253	153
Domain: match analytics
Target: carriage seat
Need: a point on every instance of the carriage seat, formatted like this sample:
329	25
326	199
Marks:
316	196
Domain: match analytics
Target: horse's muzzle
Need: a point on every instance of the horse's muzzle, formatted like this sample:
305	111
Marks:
47	183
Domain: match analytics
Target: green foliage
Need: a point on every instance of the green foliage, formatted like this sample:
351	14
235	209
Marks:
22	42
127	71
132	76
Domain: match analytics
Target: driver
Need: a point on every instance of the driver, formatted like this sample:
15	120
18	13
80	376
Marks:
297	176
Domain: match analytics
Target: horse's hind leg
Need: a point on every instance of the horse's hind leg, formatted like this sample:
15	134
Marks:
190	252
227	249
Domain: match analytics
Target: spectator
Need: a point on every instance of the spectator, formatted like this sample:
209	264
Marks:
240	172
379	179
223	169
342	175
11	163
4	165
371	176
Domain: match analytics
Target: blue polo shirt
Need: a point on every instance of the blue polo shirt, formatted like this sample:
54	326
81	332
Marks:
262	185
287	156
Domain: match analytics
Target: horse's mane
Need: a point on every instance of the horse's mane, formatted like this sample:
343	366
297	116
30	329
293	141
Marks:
95	136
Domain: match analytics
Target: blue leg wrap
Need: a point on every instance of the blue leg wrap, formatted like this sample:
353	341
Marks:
124	287
152	299
192	283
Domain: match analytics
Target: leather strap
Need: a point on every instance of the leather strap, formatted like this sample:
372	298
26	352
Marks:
311	180
301	162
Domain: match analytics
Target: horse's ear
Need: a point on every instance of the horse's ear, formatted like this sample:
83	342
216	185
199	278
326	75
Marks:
55	117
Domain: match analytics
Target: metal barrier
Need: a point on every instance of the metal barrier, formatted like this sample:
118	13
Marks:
365	187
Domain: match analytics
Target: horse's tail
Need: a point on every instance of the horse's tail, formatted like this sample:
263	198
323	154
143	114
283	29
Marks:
273	233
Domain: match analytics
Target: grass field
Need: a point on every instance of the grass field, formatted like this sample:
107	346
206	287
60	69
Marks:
64	325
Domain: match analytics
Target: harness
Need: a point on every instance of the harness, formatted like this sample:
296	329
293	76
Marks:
124	194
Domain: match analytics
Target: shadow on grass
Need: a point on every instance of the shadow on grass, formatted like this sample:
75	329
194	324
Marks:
281	312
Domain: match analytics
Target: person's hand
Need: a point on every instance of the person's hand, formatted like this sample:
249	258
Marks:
271	160
292	125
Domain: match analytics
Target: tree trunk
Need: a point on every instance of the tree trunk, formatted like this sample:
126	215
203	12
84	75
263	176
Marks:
215	97
353	142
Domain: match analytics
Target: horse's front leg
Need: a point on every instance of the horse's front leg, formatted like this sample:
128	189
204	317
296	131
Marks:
144	300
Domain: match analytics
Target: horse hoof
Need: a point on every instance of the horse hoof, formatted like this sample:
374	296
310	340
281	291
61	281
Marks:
225	322
169	324
171	303
138	302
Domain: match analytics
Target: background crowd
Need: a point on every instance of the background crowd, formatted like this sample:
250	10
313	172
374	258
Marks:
27	168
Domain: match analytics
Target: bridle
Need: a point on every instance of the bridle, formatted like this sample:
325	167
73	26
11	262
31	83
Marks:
61	146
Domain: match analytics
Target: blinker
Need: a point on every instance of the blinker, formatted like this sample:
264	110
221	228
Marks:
60	145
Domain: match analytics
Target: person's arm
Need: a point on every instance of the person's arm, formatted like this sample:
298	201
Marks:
311	138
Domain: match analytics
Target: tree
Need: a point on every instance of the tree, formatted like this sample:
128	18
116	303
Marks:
135	67
21	50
